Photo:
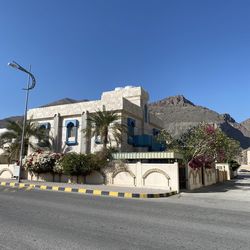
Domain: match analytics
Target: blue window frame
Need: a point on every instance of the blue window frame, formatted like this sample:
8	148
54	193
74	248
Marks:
71	132
131	130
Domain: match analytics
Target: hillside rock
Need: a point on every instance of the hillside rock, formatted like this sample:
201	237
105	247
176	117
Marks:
179	114
178	100
3	123
246	124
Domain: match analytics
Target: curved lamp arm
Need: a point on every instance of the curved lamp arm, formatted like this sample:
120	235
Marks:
19	67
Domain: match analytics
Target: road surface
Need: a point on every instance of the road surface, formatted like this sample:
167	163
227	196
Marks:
212	218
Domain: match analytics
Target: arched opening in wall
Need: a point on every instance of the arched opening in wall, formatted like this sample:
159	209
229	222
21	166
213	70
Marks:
6	174
156	178
182	177
124	178
71	132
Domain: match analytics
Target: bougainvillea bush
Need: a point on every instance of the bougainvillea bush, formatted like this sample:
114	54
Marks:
203	145
71	164
43	162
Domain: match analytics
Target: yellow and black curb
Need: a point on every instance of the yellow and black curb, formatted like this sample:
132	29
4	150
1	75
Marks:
95	192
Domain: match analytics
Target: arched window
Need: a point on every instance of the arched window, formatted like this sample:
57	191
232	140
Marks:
71	132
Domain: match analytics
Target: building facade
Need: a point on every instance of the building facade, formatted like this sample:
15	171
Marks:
66	123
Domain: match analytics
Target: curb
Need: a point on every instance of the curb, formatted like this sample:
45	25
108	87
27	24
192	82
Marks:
95	192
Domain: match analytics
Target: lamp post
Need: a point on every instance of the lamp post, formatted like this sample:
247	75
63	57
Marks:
27	89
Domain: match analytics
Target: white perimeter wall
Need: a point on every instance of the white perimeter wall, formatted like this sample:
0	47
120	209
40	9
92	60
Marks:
158	176
148	175
6	171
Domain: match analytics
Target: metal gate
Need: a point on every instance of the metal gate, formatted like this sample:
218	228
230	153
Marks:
182	177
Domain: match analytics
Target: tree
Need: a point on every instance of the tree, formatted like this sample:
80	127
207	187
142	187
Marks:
104	124
74	164
203	145
12	138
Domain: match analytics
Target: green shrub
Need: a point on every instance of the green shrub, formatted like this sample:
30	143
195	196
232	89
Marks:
70	164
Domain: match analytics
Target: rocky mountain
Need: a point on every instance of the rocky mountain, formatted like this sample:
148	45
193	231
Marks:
179	114
3	123
64	101
246	124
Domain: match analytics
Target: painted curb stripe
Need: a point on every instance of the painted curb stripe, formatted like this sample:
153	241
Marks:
89	191
95	192
43	187
104	193
113	194
82	190
68	189
128	195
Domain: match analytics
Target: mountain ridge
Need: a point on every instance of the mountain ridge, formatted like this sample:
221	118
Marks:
179	114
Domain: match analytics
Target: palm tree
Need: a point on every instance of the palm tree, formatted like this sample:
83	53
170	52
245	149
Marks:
12	138
101	121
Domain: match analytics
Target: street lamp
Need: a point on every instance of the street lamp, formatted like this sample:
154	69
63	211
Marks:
27	89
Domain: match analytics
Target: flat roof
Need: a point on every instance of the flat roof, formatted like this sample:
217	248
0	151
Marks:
146	155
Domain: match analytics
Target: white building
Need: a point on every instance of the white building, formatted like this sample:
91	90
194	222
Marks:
66	123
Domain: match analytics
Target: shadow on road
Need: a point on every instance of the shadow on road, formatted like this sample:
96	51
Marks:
241	182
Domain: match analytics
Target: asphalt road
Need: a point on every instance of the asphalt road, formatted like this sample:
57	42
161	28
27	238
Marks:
33	219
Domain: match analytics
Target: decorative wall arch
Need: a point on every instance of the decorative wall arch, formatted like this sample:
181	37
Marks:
6	169
155	170
208	175
121	170
195	173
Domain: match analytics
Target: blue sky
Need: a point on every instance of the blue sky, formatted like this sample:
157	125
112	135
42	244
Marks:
78	49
